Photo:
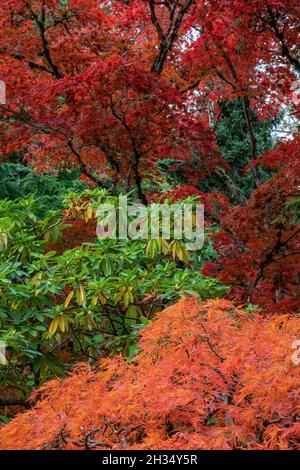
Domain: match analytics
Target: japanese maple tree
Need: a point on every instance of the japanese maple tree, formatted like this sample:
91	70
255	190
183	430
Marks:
110	88
208	376
259	243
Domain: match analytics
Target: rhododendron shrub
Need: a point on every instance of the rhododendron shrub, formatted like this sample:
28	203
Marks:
91	298
208	376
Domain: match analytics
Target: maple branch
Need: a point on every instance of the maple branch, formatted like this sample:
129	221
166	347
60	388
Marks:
205	420
134	39
224	78
46	47
191	87
269	258
167	39
292	253
245	101
23	116
31	63
252	138
211	346
84	168
281	37
53	70
230	185
109	155
155	21
261	430
217	371
136	153
62	20
15	402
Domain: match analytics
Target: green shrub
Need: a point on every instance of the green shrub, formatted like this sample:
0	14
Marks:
88	302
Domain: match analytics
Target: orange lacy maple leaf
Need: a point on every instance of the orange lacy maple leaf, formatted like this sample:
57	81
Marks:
209	376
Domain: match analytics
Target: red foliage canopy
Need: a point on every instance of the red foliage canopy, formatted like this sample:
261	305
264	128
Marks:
109	87
259	243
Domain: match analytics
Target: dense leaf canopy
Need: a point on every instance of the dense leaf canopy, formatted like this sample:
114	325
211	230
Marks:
186	101
208	376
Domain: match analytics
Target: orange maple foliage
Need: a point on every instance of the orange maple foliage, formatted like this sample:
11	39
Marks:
208	376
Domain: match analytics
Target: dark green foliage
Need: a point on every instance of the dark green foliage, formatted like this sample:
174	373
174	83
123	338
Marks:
233	142
20	181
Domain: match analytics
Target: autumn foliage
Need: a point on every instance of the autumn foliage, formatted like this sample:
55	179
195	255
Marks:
129	95
208	376
76	70
259	243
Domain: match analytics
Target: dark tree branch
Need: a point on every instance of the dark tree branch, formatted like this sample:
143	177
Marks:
251	134
31	63
167	39
84	168
41	24
280	36
15	402
245	100
269	258
230	185
136	152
